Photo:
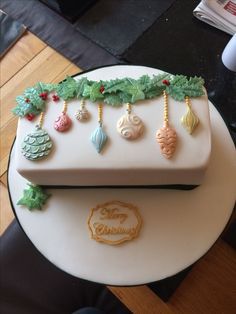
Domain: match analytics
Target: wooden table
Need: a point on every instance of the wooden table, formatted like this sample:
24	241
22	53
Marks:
210	287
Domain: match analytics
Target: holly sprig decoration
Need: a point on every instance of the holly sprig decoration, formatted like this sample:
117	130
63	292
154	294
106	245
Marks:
180	87
113	92
34	197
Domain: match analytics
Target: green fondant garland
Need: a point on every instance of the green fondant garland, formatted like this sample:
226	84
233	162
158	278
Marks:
114	92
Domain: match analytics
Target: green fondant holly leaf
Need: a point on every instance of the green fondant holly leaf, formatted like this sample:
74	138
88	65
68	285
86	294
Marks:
113	100
194	87
23	107
180	87
95	93
134	89
154	92
144	80
125	98
43	87
34	197
158	79
67	89
80	86
124	87
86	91
33	95
113	86
155	87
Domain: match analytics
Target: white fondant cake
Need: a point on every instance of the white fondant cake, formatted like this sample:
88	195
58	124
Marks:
75	162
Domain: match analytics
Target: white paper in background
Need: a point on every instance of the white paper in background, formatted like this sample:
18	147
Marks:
218	13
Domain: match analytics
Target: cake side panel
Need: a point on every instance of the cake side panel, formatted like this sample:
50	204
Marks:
75	160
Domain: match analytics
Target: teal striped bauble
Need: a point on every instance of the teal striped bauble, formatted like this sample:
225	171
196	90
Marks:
98	138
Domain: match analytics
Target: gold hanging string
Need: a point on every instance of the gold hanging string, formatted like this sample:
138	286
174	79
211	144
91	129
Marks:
64	107
40	124
128	108
166	118
100	111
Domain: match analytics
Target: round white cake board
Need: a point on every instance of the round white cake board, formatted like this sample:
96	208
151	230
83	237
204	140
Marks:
178	226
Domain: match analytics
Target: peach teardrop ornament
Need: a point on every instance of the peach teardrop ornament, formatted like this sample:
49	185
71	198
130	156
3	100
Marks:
167	139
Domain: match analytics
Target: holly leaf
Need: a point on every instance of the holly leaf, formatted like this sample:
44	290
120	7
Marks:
80	86
134	89
86	91
44	87
177	92
113	86
180	87
95	93
144	80
158	79
35	99
194	88
34	197
113	100
23	107
125	98
67	89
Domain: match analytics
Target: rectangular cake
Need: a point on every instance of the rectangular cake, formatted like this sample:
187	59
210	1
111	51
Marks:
123	160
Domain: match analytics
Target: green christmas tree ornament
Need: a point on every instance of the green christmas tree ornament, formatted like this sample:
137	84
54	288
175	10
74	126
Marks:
34	197
37	144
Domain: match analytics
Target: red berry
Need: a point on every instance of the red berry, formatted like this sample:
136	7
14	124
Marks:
102	89
55	97
44	95
27	100
166	82
30	116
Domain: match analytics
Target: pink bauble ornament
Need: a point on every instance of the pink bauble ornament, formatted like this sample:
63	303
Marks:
62	123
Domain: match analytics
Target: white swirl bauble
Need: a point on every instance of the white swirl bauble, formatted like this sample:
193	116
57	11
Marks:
130	126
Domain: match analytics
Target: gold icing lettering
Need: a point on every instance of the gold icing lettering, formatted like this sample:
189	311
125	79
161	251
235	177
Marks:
113	213
114	222
101	229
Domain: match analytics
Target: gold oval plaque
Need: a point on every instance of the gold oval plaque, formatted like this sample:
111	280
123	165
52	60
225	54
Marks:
114	222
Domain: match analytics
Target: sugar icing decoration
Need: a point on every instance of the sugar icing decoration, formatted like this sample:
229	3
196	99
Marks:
82	114
190	120
99	136
114	222
37	144
63	122
34	197
166	136
114	92
130	126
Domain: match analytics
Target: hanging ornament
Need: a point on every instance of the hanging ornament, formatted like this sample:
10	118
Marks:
99	137
38	144
82	114
189	121
63	122
166	136
129	125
